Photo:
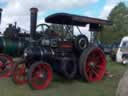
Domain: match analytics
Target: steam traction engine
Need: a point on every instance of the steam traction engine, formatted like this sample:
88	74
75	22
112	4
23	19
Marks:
12	43
62	52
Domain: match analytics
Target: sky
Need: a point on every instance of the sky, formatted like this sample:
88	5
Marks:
18	10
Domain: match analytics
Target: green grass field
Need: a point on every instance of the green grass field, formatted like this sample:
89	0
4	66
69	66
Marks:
61	87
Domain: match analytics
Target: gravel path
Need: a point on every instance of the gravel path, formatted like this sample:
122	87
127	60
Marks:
122	89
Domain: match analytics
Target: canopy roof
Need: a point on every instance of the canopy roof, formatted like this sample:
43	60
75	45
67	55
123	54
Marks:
71	19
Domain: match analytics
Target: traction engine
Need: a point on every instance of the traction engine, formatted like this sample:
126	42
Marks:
66	55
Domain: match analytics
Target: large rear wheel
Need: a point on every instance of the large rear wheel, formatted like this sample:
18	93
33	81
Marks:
92	64
69	67
40	75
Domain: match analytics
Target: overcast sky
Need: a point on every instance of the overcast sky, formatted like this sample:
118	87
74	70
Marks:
18	10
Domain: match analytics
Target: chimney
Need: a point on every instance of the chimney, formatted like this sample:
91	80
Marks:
33	22
0	14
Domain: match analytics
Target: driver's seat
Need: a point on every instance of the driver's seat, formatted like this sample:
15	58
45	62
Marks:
66	44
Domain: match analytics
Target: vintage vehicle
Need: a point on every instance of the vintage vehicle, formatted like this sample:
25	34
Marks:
114	48
122	52
119	51
61	52
12	44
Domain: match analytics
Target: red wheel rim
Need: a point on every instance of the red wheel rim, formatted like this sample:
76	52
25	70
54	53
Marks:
41	76
95	65
19	74
6	65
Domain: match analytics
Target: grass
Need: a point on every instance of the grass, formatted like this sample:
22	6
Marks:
106	87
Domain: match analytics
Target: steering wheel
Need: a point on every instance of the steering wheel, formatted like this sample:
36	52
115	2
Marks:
42	28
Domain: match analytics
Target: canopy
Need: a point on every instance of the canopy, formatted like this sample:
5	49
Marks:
71	19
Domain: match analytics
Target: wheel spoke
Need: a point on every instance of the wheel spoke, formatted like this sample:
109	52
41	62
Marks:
90	75
34	78
97	58
98	67
93	55
39	68
95	72
88	69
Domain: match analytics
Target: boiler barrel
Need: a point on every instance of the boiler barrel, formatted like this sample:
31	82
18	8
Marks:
11	47
38	53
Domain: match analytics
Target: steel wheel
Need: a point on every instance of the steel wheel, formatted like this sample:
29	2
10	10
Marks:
40	75
69	68
6	65
93	64
19	74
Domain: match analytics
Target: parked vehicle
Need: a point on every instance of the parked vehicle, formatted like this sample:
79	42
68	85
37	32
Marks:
122	52
106	48
114	49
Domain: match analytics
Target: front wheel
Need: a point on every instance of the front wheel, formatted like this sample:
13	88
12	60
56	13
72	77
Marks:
19	74
6	66
40	75
92	64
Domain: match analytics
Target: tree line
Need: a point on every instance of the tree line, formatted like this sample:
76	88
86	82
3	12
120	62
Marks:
119	28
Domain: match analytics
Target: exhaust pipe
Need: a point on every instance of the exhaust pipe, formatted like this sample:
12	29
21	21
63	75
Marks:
33	22
0	14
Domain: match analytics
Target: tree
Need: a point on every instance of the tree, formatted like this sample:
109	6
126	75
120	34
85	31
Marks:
119	27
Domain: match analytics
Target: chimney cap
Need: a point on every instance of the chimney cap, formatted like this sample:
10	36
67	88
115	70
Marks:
34	9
